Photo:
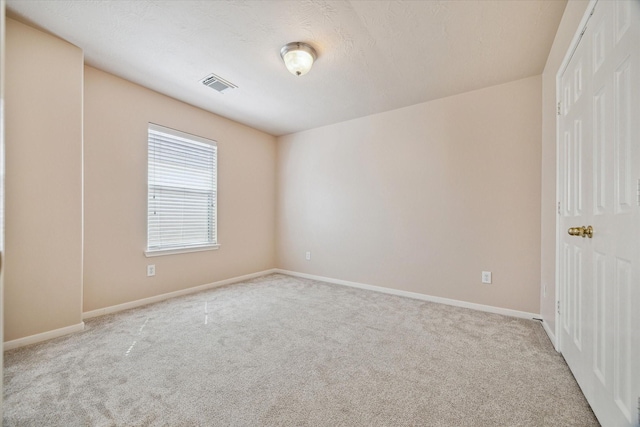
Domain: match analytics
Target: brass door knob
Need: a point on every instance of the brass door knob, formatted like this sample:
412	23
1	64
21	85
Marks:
581	231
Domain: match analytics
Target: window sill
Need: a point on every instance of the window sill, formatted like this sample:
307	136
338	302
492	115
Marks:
161	252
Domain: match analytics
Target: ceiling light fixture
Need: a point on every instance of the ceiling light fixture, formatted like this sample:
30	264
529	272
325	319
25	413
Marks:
298	57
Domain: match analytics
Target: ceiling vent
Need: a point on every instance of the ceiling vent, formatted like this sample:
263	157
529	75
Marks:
217	83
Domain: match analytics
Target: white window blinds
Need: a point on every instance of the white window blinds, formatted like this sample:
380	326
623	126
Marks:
182	193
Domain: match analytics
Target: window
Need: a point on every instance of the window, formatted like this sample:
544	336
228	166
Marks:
182	193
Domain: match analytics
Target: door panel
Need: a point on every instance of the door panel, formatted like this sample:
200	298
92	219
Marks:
577	137
622	335
600	336
622	137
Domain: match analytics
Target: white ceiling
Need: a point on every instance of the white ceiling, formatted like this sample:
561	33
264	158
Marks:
373	56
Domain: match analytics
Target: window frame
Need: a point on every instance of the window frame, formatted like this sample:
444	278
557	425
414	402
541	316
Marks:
186	248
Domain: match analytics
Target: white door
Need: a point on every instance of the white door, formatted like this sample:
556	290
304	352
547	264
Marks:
599	183
574	252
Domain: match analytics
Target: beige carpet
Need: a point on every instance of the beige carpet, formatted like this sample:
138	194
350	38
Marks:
284	351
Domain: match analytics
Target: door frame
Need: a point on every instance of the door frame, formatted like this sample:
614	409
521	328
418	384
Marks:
2	195
563	67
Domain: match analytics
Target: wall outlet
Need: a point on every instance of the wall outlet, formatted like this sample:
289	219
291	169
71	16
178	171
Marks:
307	256
151	270
486	277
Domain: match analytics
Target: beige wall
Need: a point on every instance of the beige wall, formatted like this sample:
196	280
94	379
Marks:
117	113
422	198
419	199
568	26
43	266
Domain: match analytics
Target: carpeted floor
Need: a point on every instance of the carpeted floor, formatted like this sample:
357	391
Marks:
284	351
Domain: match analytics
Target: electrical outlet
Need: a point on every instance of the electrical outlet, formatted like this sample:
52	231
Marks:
151	270
486	277
307	256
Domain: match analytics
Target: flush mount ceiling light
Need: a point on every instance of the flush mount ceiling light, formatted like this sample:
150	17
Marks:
298	57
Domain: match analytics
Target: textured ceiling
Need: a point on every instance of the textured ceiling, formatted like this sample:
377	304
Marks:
373	56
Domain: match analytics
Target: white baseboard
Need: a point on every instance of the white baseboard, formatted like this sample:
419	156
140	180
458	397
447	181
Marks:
550	333
415	295
162	297
32	339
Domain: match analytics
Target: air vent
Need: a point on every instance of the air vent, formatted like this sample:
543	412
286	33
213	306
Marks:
217	83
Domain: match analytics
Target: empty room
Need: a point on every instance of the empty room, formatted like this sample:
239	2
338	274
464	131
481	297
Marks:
320	212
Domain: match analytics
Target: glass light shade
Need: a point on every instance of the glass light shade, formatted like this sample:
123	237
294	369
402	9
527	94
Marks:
298	57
